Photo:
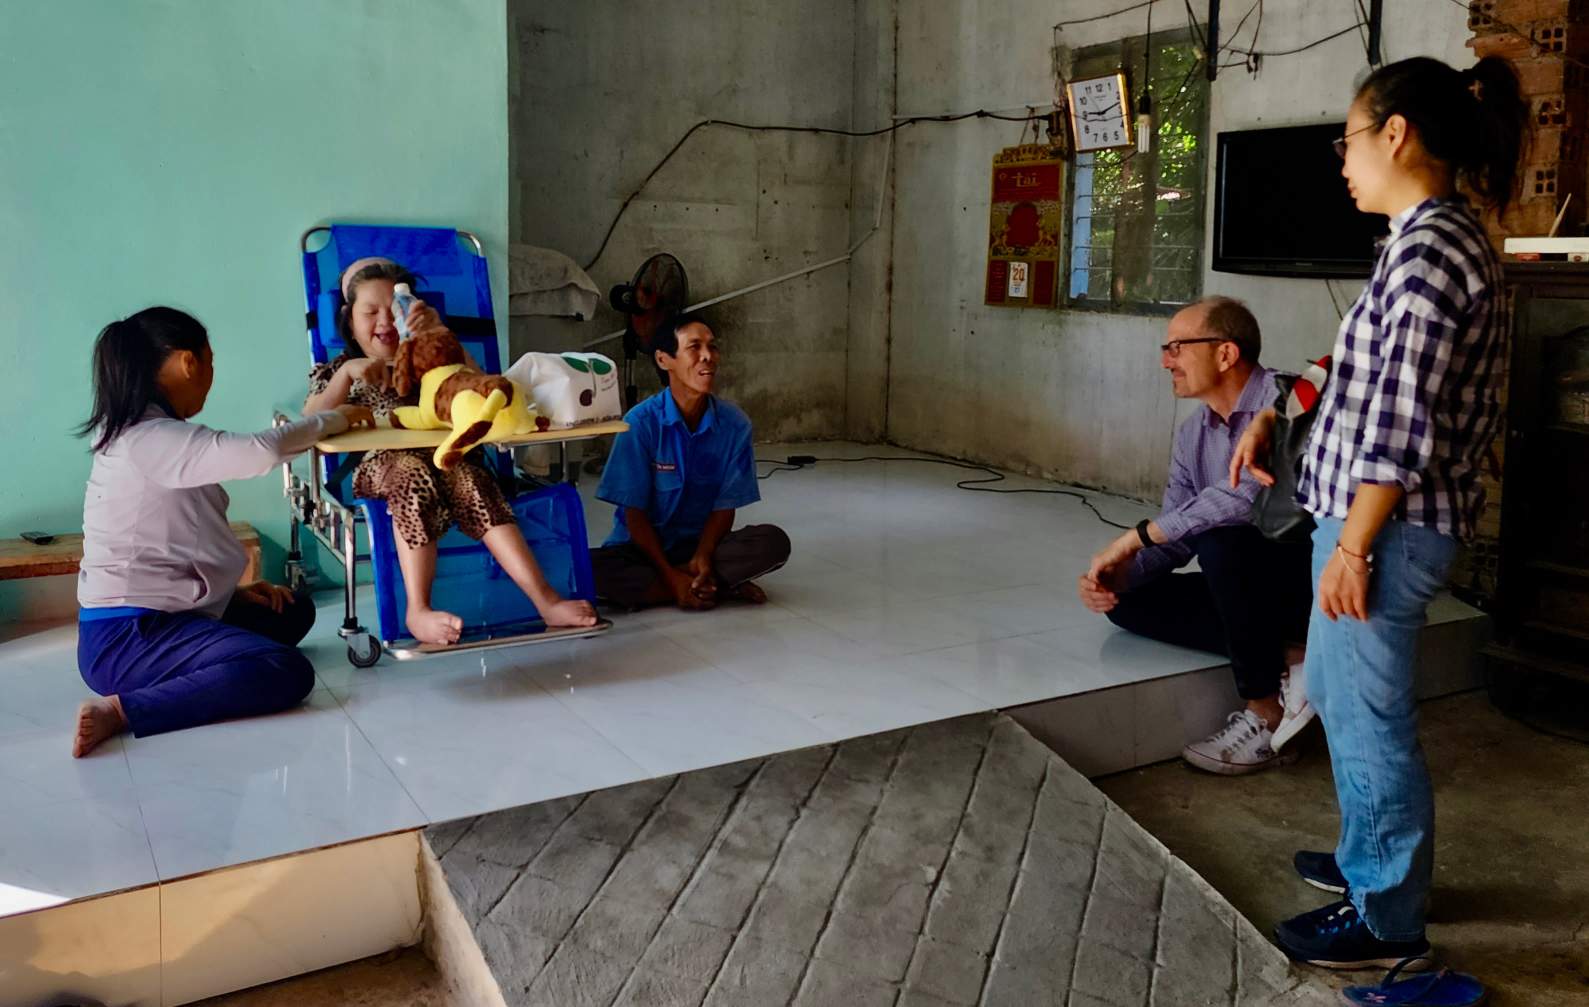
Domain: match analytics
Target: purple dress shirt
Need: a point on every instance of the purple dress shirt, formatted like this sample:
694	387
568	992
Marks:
1198	496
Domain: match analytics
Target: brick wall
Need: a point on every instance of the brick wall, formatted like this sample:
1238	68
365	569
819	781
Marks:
1547	43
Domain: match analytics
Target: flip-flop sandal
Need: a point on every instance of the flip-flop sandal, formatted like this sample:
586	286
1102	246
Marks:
1439	988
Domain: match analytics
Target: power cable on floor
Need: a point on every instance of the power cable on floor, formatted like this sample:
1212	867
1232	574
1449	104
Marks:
795	463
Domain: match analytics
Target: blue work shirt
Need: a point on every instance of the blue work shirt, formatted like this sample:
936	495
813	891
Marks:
676	475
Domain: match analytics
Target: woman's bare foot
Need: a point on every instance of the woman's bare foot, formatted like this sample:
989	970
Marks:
97	720
749	592
569	612
431	626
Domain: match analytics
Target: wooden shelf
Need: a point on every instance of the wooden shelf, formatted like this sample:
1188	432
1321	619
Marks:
1548	663
19	559
1557	569
387	438
1554	629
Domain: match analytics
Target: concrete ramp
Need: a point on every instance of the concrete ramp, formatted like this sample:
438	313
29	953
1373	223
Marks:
956	863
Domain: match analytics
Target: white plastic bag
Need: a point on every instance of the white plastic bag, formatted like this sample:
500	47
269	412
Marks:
570	389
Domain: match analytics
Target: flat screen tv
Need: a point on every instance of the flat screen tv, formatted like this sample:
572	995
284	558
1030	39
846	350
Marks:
1281	207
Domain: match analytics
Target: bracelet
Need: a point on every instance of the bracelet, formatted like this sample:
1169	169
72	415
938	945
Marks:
1368	564
1143	536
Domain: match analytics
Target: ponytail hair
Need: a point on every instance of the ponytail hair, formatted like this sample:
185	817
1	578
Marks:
128	356
1473	120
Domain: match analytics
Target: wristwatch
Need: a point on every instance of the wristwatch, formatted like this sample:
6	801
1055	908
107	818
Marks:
1142	533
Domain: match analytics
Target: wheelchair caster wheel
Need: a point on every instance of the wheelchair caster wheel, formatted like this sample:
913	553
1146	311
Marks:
366	657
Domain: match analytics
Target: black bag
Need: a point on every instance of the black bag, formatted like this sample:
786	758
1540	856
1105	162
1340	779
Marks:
1275	511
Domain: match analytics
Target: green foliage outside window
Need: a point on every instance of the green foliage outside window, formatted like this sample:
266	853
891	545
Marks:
1136	241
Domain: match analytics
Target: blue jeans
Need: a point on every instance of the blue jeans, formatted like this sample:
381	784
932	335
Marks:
173	670
1360	679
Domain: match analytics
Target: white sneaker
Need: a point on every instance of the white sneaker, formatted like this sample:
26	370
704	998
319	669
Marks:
1298	711
1241	746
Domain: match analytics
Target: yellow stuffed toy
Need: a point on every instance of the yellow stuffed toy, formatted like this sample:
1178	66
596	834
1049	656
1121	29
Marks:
455	396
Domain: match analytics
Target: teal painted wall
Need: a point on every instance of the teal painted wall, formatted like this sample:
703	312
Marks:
172	151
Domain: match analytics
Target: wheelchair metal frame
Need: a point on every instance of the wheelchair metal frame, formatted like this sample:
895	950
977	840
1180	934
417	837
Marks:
335	525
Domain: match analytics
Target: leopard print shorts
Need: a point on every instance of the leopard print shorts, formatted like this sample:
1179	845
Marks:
426	501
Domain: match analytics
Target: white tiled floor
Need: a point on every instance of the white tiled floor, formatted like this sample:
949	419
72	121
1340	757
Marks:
906	601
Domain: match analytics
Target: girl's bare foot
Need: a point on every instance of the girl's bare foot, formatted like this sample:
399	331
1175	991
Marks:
749	592
569	612
97	720
431	626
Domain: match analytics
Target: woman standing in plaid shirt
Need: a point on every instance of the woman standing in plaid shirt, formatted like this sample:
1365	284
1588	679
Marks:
1391	476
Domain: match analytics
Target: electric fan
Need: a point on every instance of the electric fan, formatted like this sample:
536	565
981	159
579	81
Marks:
659	289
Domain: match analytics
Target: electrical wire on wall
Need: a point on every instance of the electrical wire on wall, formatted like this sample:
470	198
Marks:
1251	55
1354	26
980	113
1329	288
1251	63
1110	14
1252	58
1195	28
1364	21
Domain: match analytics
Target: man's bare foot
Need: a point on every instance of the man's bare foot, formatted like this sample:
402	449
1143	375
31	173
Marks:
749	592
97	720
569	612
431	626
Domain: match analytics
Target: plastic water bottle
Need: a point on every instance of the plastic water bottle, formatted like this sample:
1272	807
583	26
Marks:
402	300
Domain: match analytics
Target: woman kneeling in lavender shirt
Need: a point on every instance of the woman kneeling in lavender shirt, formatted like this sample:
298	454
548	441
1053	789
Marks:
166	635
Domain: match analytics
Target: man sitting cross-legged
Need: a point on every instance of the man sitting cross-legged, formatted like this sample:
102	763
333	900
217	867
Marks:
676	477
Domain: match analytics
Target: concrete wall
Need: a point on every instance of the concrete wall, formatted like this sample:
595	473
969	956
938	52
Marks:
601	90
872	219
171	151
1079	395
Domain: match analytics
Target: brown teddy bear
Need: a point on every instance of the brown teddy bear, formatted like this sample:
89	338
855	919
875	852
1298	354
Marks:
453	394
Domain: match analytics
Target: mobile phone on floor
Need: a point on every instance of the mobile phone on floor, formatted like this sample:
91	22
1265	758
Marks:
38	537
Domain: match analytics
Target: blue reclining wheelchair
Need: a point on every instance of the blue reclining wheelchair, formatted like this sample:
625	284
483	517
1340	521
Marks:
451	268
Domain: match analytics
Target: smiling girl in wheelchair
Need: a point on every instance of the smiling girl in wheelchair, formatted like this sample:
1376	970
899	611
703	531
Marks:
424	501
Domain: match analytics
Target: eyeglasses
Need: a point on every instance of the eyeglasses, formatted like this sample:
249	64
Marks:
1339	143
1173	347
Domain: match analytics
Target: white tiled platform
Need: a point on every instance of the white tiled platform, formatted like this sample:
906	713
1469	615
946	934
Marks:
906	601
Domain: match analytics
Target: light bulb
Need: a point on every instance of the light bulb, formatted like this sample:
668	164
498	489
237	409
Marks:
1144	133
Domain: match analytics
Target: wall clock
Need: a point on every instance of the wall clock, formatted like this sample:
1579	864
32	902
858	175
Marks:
1100	112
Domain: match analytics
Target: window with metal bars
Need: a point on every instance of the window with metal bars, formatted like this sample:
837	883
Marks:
1136	220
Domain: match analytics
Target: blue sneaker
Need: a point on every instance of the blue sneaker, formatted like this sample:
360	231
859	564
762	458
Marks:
1319	870
1337	938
